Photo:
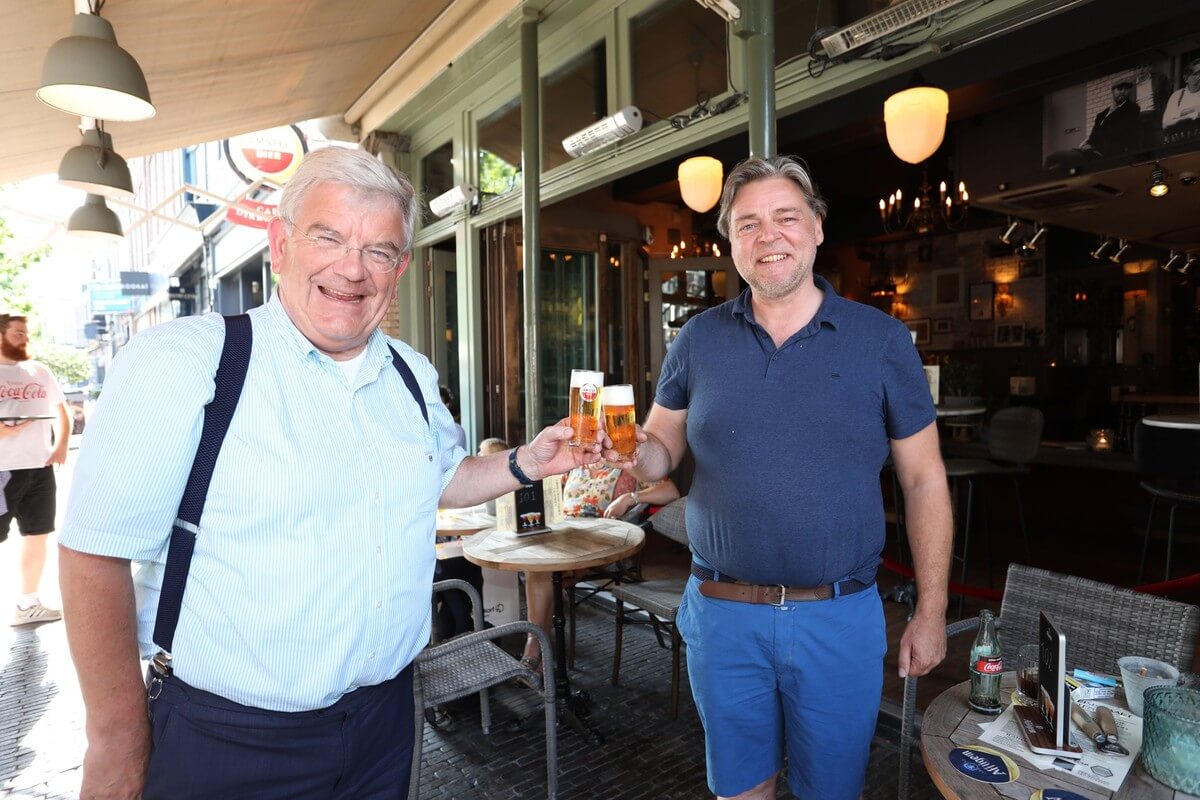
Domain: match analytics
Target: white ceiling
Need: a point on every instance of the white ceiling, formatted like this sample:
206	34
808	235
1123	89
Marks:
217	68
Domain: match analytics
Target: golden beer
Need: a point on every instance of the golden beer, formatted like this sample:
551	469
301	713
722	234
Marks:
584	405
620	419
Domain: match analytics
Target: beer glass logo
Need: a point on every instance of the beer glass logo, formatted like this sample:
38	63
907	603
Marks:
588	392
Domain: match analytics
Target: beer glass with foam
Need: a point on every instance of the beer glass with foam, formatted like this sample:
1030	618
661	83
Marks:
619	419
585	405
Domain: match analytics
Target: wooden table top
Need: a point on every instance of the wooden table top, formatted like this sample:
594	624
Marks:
569	545
463	521
949	723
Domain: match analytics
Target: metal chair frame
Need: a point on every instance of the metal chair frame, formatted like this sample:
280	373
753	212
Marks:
473	662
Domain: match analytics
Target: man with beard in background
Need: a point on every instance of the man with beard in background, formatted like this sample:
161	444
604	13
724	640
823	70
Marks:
30	400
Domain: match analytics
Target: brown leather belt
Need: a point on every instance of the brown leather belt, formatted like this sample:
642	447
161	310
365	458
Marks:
726	588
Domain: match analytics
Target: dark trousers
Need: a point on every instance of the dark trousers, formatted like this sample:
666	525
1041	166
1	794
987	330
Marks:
206	747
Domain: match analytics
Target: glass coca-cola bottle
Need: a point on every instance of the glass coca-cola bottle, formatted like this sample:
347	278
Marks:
986	666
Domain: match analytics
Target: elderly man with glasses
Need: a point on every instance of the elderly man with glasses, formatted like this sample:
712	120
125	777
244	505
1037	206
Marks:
297	576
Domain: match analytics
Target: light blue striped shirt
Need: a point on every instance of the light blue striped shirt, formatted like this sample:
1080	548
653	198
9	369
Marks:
312	573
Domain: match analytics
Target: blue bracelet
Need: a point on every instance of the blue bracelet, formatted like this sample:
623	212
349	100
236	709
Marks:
516	471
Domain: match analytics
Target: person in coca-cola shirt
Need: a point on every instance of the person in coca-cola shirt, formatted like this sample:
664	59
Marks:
28	453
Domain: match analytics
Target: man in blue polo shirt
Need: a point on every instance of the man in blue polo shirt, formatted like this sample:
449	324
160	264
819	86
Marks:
790	399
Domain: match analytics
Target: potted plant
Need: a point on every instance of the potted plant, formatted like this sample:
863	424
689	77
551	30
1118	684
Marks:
960	383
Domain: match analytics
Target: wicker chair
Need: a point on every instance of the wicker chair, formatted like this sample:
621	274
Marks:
1102	622
658	598
471	663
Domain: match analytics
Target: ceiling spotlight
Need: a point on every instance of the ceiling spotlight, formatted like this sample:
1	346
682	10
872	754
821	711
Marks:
1191	259
1158	181
1172	261
89	75
1116	257
1105	245
1036	239
95	220
1008	235
95	168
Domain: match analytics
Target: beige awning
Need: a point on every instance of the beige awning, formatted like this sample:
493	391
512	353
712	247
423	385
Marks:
217	68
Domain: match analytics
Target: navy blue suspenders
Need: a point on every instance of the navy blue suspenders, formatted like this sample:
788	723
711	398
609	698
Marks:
229	379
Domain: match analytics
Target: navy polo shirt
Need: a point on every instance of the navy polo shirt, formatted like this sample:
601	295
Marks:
789	441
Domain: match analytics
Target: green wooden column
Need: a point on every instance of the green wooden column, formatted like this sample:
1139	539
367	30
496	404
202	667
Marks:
757	27
531	173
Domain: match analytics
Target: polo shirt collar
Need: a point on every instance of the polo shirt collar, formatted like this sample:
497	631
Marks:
832	310
377	349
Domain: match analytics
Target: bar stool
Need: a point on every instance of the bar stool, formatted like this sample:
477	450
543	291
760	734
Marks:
1168	460
1013	440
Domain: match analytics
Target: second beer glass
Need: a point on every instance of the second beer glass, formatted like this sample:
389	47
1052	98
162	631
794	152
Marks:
585	405
619	419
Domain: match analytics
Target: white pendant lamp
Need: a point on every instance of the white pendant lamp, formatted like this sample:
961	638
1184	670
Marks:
915	120
700	182
95	220
95	168
89	75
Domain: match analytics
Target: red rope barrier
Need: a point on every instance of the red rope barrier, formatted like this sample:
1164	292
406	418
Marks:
1160	588
955	588
1167	587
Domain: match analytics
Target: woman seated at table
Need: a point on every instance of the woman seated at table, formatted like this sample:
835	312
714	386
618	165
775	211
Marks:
589	491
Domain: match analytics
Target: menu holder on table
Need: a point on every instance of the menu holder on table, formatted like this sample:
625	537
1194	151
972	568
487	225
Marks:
531	509
1047	726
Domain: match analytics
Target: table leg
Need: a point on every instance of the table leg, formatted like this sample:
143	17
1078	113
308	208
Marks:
572	706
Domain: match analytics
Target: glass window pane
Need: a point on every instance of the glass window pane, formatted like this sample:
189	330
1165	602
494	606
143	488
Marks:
573	97
568	325
500	149
679	53
437	172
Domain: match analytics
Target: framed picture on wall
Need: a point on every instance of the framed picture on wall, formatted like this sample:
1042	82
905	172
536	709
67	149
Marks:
1029	267
943	325
947	288
920	330
980	300
1010	334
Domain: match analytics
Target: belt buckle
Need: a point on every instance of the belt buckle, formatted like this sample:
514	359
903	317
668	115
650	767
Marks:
782	596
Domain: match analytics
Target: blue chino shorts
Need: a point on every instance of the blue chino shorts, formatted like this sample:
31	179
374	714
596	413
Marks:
803	679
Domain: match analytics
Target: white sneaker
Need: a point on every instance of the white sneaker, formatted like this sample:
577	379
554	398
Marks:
35	613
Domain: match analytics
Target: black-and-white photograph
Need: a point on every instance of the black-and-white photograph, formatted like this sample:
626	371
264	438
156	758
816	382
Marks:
1105	120
943	325
1181	115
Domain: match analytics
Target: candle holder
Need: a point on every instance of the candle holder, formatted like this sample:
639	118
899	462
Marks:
1101	440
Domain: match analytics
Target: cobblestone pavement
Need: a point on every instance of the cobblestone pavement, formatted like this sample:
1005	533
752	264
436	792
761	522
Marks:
645	754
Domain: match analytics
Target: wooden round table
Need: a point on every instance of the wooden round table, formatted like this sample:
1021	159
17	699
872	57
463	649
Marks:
949	723
569	545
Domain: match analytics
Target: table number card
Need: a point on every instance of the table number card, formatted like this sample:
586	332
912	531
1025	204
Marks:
531	509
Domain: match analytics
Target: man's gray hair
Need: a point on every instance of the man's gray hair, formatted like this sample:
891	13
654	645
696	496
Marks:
360	171
757	169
